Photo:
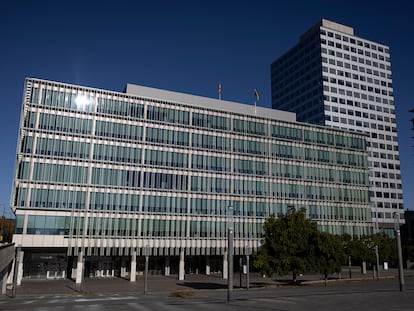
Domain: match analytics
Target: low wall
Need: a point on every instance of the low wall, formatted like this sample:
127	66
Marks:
7	253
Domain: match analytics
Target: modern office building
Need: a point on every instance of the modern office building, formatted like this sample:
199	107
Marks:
334	78
103	176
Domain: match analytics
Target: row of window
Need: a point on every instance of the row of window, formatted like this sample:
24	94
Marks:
210	121
385	165
318	193
364	105
74	174
127	227
357	86
86	103
389	185
58	147
382	204
60	123
123	154
62	199
355	50
358	42
369	62
338	213
124	227
360	123
377	90
349	93
158	135
387	175
357	112
99	201
383	156
176	228
118	130
349	57
388	195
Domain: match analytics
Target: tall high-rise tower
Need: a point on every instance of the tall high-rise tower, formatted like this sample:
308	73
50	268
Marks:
334	78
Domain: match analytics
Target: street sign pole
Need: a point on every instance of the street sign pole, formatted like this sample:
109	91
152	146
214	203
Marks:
146	254
230	253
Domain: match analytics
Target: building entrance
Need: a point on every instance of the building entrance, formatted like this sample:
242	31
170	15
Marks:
44	265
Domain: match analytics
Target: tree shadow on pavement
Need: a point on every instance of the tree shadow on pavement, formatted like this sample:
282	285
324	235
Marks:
285	282
203	285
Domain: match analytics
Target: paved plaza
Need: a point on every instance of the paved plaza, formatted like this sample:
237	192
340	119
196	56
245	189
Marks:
362	292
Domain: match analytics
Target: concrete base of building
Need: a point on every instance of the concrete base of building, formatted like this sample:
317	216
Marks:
55	264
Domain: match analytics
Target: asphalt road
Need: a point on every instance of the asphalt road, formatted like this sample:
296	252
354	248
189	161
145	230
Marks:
356	295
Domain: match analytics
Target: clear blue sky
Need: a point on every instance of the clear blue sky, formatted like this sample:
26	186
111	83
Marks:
184	46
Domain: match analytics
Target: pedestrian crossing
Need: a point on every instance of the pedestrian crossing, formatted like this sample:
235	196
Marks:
102	303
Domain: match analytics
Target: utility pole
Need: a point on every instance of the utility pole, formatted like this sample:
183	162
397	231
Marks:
230	217
248	253
16	270
146	254
378	265
399	251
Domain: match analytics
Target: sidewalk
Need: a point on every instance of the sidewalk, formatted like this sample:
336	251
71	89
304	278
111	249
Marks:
168	285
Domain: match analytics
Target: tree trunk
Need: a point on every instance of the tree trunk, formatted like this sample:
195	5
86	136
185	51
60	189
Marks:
326	279
294	274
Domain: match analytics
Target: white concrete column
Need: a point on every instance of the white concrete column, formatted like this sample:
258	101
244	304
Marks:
20	269
133	273
225	266
167	266
208	265
4	283
123	268
73	275
10	277
181	271
79	268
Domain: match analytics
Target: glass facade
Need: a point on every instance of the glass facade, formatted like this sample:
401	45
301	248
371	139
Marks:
95	165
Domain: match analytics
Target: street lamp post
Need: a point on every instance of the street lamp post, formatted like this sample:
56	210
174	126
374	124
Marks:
241	270
399	251
146	254
248	253
16	269
83	270
378	266
230	216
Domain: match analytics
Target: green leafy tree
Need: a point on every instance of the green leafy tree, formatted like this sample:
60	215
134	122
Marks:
6	229
358	250
386	247
287	246
330	253
408	252
363	248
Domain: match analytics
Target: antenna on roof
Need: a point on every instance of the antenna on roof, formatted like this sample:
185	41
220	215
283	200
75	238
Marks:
256	99
219	91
